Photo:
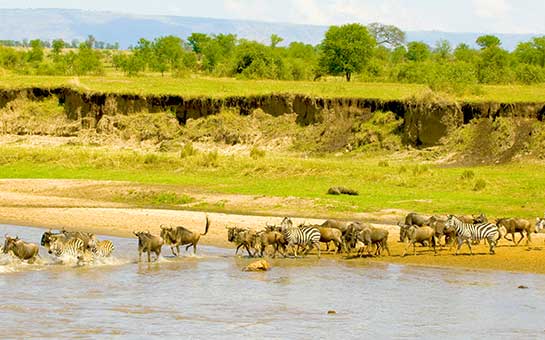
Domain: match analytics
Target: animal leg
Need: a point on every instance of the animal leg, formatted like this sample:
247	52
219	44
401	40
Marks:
528	237
173	252
469	245
521	237
460	242
149	256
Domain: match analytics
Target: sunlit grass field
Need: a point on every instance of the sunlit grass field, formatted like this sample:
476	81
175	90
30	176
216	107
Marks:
508	190
225	87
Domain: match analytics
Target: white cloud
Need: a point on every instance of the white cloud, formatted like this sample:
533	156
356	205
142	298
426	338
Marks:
491	8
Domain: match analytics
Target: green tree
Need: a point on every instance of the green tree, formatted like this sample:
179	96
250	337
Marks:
168	53
418	51
442	50
58	45
387	34
36	53
346	49
487	41
464	53
275	40
197	41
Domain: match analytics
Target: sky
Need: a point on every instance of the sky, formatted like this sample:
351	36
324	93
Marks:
487	16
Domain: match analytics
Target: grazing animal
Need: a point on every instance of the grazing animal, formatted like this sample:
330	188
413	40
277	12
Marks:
102	249
272	238
302	236
149	243
481	218
21	249
516	225
89	239
439	225
180	236
242	237
373	236
342	226
46	238
419	235
62	246
332	235
411	219
466	232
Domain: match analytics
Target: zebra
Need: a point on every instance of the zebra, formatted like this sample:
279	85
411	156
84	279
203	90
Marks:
103	248
70	247
301	236
474	232
540	224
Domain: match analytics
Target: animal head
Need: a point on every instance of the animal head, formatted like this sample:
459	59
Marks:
231	233
9	243
480	219
450	222
166	231
540	224
286	223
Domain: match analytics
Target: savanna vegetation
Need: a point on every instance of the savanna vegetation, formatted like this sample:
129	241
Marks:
372	53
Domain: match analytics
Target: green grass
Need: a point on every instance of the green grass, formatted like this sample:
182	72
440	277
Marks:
225	87
510	190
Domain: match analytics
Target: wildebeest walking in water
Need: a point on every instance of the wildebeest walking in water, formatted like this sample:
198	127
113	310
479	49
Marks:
180	236
21	249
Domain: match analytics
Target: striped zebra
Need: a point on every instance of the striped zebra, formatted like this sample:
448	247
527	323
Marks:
103	248
66	247
466	232
302	236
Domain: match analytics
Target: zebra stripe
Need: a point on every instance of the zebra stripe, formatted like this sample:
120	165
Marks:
72	247
474	232
103	248
303	236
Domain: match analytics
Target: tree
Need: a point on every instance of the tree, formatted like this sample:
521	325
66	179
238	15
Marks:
464	53
58	45
275	40
442	49
90	41
36	53
387	34
418	51
197	41
168	53
346	49
486	41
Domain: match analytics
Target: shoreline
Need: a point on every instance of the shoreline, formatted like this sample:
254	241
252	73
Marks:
45	209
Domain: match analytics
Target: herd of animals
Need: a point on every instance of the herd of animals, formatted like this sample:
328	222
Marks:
347	237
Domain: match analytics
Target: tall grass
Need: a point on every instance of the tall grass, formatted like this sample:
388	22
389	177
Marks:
225	87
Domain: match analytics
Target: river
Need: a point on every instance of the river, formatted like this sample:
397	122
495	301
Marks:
208	296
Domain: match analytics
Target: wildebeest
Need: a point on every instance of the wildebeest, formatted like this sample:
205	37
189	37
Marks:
516	225
242	237
439	225
372	236
21	249
46	238
481	218
271	238
180	236
412	219
332	235
419	235
149	243
341	225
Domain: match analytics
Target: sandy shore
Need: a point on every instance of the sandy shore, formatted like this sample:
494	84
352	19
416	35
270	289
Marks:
45	204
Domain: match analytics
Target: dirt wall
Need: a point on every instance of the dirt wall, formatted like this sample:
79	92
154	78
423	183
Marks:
425	121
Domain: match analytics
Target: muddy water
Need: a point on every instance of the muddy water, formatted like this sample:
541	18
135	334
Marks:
208	296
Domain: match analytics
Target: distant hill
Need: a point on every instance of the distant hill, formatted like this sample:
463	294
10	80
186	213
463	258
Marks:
126	29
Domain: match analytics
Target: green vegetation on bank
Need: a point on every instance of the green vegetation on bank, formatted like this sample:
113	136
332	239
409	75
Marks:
510	190
154	84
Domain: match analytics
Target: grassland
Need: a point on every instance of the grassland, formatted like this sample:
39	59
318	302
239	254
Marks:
499	190
152	84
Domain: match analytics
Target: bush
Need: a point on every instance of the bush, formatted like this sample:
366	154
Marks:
467	175
188	150
480	184
151	158
383	164
209	159
256	153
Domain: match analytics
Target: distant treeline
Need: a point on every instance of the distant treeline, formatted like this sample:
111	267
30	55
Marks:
374	52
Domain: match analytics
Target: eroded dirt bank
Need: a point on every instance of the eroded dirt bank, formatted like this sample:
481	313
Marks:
425	121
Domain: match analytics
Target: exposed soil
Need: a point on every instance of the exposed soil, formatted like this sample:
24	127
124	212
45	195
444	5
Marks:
82	205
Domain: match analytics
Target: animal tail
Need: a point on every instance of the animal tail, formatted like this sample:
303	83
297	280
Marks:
207	226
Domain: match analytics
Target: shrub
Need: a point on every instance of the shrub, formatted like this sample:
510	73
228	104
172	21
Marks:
188	150
467	175
480	184
383	164
209	159
150	158
256	153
